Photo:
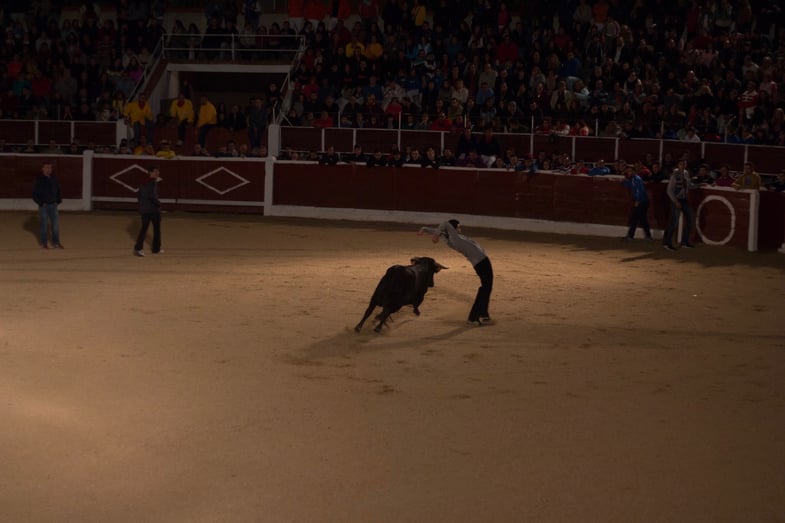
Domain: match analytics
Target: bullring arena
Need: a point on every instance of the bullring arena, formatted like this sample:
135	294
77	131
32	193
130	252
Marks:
222	380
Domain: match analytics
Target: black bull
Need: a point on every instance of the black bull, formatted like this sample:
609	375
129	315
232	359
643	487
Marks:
401	285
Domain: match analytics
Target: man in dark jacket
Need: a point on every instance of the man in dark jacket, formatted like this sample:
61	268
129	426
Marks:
150	210
46	193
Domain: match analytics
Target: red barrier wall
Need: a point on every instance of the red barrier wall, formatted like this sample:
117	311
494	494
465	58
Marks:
723	216
18	172
187	184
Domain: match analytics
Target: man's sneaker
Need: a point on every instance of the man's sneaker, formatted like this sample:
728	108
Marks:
668	247
160	251
44	246
139	253
626	239
486	320
474	323
59	246
688	245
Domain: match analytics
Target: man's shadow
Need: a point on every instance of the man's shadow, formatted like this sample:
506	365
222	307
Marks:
33	226
133	228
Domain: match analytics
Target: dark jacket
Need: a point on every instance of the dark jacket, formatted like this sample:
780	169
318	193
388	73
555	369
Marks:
46	190
148	198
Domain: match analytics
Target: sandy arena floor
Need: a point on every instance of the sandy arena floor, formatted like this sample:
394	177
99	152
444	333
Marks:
222	381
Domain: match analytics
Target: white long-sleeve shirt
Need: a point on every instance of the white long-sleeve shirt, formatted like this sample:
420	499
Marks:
463	244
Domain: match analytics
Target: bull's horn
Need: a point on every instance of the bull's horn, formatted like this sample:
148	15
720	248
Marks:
440	266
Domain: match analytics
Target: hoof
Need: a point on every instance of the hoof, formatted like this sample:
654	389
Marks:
357	328
416	311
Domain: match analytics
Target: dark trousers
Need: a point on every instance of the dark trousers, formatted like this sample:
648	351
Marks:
181	128
154	217
673	223
255	136
639	215
203	130
480	308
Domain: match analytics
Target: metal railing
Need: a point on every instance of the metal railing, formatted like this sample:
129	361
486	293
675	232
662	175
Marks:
155	58
232	47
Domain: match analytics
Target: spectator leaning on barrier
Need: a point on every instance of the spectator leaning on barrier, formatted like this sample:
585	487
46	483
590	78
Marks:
430	159
724	178
329	157
599	169
376	160
165	151
748	179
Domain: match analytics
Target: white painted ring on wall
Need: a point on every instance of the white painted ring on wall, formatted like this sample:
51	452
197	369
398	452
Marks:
732	231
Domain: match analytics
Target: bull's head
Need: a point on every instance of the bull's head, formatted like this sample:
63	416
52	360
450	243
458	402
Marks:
430	266
429	262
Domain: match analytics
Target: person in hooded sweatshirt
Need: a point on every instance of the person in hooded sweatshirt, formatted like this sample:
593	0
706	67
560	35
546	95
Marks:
451	232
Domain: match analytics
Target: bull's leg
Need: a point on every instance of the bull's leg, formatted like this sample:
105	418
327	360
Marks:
368	312
382	318
417	302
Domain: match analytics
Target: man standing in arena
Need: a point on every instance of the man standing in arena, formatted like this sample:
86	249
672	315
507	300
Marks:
150	210
451	231
640	203
679	186
46	193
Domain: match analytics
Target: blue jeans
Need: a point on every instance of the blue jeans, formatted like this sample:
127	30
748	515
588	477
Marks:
48	213
673	222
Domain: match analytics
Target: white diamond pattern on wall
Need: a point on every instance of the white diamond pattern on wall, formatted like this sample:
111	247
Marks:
224	180
117	177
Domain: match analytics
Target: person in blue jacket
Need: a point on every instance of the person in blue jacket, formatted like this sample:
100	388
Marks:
640	203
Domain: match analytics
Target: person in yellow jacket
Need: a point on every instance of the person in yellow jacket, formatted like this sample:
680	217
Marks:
207	119
182	113
139	115
355	47
165	151
748	179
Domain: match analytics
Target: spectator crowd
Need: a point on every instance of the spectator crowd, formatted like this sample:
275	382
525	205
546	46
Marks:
700	70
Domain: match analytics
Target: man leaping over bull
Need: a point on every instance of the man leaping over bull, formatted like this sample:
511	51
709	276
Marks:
451	231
